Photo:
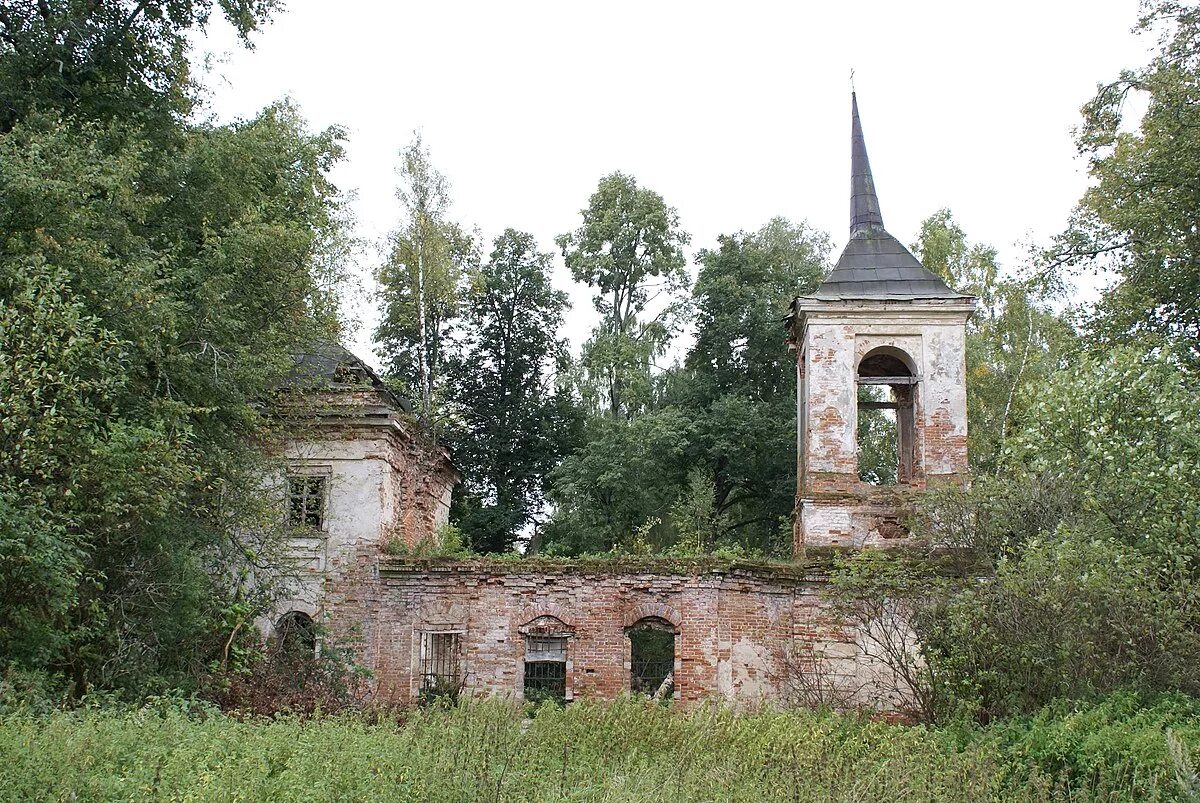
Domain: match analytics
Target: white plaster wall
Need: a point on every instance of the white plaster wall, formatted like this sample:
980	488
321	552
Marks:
442	515
749	681
359	507
944	388
831	396
831	521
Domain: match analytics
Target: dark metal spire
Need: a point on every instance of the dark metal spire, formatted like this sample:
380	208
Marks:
875	266
864	203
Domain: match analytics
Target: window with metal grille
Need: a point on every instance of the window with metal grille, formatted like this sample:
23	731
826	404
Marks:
546	667
306	501
441	664
652	658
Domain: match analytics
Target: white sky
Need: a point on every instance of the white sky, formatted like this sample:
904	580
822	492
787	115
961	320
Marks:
734	112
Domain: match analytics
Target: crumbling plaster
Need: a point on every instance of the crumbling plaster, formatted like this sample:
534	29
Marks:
383	483
834	507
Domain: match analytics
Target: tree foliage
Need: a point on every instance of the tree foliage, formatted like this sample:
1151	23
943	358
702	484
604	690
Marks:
155	275
620	482
1136	224
120	60
1084	545
421	283
723	422
1014	339
739	378
630	249
516	415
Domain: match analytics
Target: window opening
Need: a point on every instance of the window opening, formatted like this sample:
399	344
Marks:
652	658
306	501
886	421
878	447
546	668
297	634
441	666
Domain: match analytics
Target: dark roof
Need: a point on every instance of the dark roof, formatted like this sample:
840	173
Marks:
326	364
874	264
864	203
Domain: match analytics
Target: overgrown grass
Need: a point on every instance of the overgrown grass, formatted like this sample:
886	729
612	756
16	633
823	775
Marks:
623	751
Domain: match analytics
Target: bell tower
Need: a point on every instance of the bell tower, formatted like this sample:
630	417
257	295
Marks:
881	368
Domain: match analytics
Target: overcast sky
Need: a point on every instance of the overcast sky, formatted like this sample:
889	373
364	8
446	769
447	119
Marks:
734	112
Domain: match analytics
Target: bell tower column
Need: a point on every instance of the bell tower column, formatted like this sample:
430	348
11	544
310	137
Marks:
882	411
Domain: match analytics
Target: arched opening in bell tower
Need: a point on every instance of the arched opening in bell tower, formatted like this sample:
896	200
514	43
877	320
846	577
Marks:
886	425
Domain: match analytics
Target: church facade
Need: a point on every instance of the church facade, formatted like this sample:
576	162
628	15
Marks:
881	336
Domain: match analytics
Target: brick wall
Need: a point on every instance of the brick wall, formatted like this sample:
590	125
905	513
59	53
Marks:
738	631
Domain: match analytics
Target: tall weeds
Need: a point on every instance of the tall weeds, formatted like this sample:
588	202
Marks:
624	751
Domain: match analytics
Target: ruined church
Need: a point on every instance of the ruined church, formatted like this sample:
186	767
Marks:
366	485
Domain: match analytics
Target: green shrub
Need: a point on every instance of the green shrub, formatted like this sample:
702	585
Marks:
446	542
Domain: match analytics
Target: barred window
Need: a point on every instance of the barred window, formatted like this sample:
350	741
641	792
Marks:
545	667
441	664
306	501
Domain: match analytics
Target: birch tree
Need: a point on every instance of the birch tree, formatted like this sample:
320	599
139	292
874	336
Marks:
1014	339
421	280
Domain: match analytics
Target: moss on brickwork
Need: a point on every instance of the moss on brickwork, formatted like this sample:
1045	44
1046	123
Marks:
817	563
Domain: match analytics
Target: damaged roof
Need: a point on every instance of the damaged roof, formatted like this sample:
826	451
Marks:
327	364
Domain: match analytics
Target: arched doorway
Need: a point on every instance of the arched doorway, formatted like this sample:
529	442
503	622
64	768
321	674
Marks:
296	634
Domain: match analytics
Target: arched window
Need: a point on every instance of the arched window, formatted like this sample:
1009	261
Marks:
546	658
886	431
296	633
652	658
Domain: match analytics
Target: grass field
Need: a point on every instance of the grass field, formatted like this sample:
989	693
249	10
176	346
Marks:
623	751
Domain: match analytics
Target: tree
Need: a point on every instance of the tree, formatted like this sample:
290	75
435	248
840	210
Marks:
421	282
1121	430
743	291
712	464
628	239
623	480
517	418
155	277
1014	338
1090	531
740	376
1137	222
120	60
